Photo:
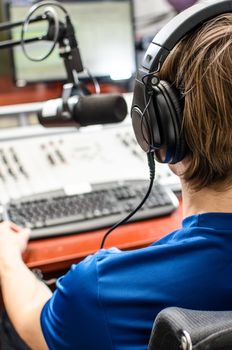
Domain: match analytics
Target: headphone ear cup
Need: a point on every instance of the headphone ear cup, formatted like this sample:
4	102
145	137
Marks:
144	119
169	112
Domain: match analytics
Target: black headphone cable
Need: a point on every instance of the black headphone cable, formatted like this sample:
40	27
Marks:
151	164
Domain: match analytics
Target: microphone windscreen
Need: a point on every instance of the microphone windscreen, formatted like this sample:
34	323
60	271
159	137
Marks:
100	109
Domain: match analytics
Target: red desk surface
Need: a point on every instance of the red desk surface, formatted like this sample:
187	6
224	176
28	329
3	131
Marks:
58	253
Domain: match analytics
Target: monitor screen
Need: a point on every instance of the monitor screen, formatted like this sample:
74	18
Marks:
105	33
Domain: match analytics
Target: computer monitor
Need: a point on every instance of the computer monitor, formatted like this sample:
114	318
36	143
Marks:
105	33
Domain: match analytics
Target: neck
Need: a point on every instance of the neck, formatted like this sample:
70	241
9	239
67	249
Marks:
205	200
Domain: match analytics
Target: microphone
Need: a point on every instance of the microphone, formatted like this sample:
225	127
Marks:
83	110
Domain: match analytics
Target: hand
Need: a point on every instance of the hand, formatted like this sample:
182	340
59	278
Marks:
13	240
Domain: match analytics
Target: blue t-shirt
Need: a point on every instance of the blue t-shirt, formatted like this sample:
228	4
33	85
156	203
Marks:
110	300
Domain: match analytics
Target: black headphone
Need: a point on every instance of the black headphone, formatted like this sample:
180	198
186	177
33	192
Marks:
157	107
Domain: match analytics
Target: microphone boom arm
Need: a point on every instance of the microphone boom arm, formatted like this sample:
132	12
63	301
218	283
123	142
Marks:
69	52
9	25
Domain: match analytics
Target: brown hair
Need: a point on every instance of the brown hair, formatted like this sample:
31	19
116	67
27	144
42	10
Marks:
200	66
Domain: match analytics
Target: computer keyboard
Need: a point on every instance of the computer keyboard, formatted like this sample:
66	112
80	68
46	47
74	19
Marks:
55	214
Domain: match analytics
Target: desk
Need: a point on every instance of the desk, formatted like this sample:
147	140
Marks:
55	254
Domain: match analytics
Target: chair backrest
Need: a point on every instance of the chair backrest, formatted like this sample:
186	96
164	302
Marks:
176	328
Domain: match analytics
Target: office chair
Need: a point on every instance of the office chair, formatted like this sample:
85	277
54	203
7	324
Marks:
181	329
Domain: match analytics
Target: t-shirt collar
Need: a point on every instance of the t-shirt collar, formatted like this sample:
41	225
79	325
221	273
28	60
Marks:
210	220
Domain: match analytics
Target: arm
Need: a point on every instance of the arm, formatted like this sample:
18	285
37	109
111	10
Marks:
23	294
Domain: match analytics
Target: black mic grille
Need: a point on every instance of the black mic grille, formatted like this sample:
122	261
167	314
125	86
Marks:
84	110
100	109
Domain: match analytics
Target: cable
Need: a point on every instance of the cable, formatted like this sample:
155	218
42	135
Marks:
151	164
150	158
56	31
94	80
50	3
150	91
143	118
54	15
150	155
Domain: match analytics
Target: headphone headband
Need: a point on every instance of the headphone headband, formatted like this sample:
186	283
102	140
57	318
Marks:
178	27
157	107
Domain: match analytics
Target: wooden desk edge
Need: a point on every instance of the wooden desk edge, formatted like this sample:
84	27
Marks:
58	253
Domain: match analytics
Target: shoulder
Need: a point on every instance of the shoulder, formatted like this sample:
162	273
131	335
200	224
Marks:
79	278
74	309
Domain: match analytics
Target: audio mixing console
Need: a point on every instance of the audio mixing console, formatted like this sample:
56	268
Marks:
35	160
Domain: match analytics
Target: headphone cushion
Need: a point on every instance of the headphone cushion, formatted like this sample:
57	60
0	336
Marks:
173	97
174	146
